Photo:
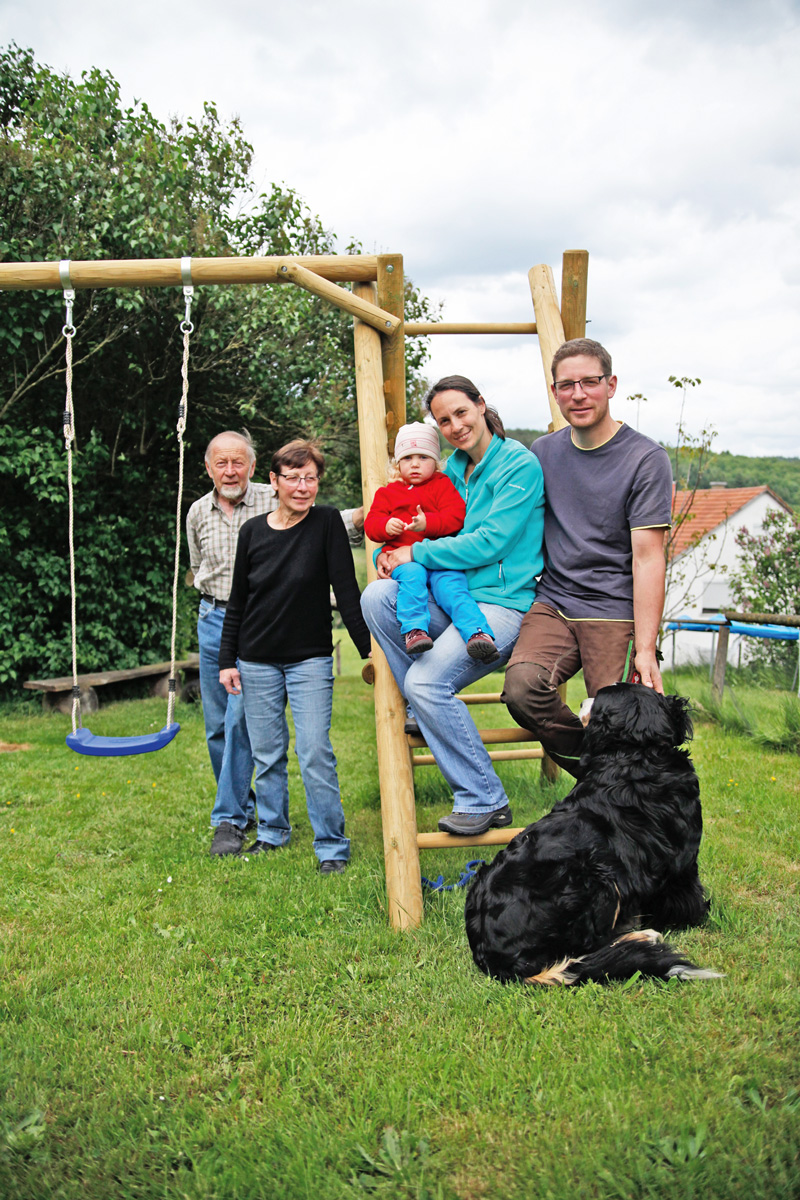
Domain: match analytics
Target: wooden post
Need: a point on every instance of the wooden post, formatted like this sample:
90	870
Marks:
549	327
554	327
574	286
403	883
391	297
720	663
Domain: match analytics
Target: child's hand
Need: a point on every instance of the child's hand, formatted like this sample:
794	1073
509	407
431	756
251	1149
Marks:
394	527
420	522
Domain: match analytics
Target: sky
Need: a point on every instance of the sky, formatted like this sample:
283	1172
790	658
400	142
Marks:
479	138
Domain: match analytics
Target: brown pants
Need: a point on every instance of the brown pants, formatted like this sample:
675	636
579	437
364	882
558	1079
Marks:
551	649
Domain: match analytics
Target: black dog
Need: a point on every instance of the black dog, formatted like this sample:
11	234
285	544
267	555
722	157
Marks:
562	903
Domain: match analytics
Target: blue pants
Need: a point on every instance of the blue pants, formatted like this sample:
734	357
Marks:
226	729
450	591
430	683
308	686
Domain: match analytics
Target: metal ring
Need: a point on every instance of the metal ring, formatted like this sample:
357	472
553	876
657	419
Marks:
186	272
64	276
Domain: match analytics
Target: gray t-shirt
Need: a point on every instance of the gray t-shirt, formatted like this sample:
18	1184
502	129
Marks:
593	499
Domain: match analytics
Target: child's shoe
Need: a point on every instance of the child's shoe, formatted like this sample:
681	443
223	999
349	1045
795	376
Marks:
418	641
482	647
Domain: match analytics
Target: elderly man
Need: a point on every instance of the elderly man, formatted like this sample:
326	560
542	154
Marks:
608	501
212	528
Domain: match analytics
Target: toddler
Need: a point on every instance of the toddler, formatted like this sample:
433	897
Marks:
423	501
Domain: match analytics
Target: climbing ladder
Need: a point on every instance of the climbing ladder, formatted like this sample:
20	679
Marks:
380	384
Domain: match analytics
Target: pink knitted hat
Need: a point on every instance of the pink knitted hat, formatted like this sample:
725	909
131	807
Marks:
417	439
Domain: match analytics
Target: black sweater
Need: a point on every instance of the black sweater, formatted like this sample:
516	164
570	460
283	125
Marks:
280	608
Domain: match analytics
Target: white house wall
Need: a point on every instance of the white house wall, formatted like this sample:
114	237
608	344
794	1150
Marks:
703	588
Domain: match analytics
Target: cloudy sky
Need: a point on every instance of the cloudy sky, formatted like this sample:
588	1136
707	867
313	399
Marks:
481	137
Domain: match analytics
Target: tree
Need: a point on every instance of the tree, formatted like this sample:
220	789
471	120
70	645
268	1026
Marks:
767	580
83	177
696	561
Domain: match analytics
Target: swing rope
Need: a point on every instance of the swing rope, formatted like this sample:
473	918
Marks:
187	328
83	740
68	332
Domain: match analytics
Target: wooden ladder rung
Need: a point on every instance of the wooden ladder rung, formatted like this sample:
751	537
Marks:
494	737
494	837
427	760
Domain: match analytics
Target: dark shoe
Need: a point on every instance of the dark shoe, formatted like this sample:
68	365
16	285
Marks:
418	641
261	848
228	839
482	647
411	726
474	823
332	866
252	823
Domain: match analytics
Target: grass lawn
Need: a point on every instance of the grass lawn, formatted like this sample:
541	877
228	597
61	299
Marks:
176	1026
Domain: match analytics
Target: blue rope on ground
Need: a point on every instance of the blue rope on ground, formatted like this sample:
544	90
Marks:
439	885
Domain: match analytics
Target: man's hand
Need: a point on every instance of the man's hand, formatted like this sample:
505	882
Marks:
646	664
394	527
419	523
357	517
231	680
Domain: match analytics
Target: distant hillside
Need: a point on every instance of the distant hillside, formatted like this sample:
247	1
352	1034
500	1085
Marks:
526	436
737	470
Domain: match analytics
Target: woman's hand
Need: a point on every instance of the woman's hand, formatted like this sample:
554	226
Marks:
231	680
394	527
419	523
394	558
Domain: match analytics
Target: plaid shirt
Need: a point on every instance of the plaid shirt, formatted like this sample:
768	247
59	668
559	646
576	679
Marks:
213	536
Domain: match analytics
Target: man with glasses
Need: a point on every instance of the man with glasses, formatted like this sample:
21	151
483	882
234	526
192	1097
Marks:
608	500
212	528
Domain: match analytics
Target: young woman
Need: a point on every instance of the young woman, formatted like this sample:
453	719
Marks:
500	549
276	644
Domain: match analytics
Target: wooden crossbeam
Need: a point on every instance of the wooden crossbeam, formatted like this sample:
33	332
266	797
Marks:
166	272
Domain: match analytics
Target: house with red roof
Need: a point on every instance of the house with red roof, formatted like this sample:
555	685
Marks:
701	557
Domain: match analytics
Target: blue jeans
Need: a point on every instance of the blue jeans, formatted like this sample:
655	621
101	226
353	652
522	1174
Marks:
308	686
450	591
226	729
430	683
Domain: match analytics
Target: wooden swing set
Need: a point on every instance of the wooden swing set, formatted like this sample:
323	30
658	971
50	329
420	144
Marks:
376	304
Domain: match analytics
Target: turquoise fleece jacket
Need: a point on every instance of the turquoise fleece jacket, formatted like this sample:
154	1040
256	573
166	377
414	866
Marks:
500	546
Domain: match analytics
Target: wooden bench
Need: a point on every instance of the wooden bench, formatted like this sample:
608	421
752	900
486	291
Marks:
57	693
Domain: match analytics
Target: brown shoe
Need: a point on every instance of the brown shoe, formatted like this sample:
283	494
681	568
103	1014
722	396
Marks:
418	641
482	647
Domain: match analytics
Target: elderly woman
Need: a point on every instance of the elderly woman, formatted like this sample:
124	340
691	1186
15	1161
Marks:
500	549
276	644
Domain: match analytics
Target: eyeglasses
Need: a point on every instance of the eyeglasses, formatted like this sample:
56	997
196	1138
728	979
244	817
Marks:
295	480
566	386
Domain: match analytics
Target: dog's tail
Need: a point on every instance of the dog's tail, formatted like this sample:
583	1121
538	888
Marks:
643	950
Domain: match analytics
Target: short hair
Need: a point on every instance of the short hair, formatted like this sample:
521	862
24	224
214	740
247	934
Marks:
582	346
243	436
297	454
460	383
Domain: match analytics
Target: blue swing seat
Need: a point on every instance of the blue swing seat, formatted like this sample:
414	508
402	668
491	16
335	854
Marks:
86	742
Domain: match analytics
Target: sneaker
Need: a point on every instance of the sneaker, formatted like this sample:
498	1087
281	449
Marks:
418	641
412	727
482	647
261	848
228	839
332	866
465	824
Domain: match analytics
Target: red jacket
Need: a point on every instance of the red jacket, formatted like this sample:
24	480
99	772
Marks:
443	507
